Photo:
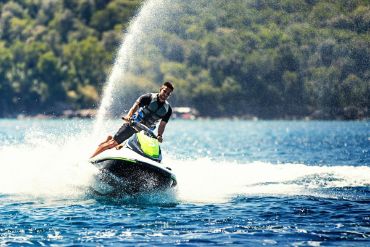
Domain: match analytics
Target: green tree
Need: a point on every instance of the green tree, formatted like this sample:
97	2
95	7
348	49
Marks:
85	60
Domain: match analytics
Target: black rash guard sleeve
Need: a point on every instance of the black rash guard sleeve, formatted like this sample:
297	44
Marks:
166	117
144	99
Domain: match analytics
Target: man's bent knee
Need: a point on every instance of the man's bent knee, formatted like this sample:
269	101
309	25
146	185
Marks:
112	143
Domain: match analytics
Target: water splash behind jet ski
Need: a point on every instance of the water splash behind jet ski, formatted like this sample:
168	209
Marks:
135	168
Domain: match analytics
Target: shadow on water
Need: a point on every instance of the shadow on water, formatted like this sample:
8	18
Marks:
360	194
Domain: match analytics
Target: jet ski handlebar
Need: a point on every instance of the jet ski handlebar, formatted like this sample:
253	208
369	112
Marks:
139	126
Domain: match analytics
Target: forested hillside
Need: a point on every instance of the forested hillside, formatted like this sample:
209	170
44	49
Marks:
271	59
55	55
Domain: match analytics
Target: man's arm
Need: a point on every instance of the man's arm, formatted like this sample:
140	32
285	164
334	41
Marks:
161	127
131	112
143	100
162	124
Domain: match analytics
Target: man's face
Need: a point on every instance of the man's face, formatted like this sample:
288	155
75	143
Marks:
164	93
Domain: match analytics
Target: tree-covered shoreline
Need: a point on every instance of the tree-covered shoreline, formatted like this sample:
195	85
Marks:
55	55
267	59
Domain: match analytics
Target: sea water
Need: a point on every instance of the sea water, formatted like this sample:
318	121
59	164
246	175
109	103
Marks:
247	183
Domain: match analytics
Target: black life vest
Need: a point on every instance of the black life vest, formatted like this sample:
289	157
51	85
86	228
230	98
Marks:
152	113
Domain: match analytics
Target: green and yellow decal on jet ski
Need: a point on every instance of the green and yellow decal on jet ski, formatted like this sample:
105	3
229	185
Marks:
149	145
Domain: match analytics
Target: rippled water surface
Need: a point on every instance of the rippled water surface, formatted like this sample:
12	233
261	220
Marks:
289	183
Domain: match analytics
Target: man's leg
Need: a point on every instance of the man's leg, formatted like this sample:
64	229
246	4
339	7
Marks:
108	138
122	134
108	144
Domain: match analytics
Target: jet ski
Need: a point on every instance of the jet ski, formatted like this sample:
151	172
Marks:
135	168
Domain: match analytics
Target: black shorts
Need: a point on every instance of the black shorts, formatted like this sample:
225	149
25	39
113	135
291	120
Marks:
125	132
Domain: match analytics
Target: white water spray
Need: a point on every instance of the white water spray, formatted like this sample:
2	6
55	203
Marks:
206	181
144	30
149	12
46	165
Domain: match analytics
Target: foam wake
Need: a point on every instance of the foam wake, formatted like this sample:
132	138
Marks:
205	181
46	166
58	167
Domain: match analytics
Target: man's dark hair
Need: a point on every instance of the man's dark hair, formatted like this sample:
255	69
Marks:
169	85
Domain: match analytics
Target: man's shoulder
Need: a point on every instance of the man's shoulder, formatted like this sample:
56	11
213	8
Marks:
144	99
145	96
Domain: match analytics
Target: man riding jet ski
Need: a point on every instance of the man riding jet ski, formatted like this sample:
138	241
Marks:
140	158
149	109
134	168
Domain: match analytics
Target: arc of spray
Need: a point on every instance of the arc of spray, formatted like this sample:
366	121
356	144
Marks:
127	50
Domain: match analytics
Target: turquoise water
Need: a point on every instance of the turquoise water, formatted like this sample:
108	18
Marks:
254	183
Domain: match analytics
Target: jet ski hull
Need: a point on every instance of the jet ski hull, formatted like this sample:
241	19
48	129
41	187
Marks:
125	176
